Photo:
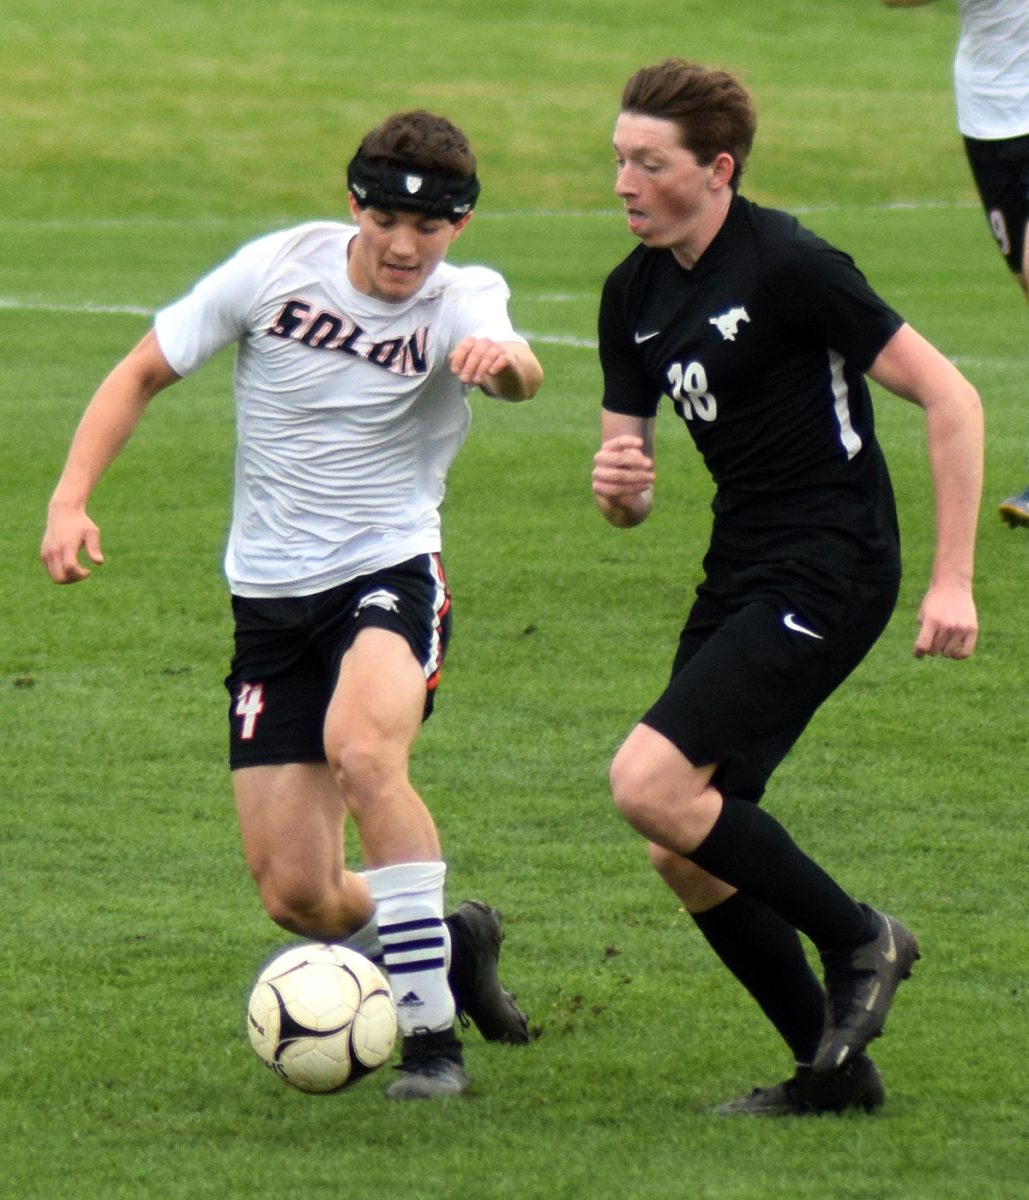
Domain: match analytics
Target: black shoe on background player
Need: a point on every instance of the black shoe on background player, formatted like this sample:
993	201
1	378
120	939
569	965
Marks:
857	1085
475	937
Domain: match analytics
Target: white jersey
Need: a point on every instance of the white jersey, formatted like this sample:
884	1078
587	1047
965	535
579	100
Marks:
991	69
347	414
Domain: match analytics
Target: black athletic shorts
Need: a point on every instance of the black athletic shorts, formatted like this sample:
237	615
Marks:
758	655
1001	173
289	649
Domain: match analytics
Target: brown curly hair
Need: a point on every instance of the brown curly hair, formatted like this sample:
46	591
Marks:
421	140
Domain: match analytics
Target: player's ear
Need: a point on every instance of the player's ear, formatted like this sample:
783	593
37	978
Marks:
355	208
722	170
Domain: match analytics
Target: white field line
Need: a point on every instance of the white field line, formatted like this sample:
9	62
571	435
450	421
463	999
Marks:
89	309
85	308
567	340
560	339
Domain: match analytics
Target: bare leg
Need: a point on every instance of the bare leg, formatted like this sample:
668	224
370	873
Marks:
291	820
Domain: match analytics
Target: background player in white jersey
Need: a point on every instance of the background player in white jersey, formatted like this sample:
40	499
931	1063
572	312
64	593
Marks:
761	334
991	87
357	346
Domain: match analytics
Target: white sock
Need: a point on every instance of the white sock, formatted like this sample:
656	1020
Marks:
409	915
366	941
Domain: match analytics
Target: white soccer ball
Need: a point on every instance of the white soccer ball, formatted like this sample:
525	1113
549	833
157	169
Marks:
321	1017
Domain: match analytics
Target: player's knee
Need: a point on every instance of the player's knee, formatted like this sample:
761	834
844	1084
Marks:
304	913
629	787
361	767
312	908
657	795
289	911
294	901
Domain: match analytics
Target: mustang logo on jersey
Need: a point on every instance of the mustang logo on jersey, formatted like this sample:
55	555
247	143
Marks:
728	323
323	330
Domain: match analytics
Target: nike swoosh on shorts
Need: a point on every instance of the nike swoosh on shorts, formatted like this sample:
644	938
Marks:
790	621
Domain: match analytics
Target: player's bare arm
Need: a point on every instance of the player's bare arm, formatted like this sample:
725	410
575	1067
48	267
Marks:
506	370
910	367
106	426
623	469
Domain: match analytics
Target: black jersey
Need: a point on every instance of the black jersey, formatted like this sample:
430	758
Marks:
762	349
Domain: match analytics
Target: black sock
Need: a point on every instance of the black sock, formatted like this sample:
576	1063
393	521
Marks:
765	954
751	851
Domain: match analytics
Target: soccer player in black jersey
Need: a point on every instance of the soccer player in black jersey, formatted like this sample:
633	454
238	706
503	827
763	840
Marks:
761	335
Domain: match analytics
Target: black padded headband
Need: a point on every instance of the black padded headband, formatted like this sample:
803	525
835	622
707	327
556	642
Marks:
409	189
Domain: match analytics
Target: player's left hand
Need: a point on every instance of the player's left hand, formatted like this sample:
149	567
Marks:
474	360
949	625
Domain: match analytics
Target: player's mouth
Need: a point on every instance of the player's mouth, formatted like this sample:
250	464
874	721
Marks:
636	219
401	276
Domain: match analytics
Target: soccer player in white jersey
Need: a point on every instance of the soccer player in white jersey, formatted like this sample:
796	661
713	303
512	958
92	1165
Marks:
991	87
760	334
357	346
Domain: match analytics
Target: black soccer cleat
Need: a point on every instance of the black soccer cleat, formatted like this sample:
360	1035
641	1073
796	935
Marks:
431	1068
860	985
858	1085
475	937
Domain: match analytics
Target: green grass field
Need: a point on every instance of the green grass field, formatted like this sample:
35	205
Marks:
139	145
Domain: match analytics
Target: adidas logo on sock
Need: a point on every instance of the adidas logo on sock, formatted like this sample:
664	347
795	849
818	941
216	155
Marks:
411	1000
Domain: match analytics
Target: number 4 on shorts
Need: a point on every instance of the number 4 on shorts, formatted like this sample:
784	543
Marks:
249	706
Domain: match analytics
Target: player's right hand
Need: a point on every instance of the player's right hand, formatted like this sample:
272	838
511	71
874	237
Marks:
68	533
621	468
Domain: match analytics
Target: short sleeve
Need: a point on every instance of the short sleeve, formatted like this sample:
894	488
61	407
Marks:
835	301
628	388
478	307
214	314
